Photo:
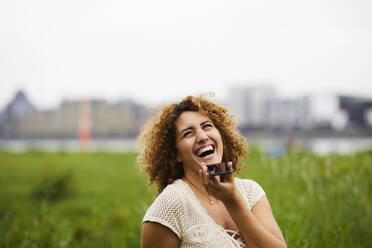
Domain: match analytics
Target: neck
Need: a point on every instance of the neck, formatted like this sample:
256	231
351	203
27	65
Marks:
194	181
193	178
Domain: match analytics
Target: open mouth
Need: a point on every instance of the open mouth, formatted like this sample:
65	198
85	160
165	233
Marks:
205	151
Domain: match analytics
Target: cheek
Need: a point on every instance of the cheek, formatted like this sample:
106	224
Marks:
218	136
179	149
184	148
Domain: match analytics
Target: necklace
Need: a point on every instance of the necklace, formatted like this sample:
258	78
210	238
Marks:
211	201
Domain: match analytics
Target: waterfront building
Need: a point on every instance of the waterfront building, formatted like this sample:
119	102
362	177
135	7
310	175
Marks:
248	104
358	109
260	107
13	114
122	119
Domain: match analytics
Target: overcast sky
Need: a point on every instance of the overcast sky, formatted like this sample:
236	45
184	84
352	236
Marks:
159	50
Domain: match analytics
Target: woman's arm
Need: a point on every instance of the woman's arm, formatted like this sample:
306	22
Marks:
257	227
262	211
155	235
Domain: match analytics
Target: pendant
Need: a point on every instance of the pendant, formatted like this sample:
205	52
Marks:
211	202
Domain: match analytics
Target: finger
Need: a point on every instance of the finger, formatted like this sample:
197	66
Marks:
202	173
201	176
205	176
229	177
202	164
226	177
222	169
214	179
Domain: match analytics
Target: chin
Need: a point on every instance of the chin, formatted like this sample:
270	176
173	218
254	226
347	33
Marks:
210	161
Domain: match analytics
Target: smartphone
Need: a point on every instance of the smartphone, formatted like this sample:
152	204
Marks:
216	170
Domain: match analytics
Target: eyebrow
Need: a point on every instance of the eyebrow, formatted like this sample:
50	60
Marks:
204	122
191	128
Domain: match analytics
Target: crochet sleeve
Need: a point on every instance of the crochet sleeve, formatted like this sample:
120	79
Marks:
168	210
252	191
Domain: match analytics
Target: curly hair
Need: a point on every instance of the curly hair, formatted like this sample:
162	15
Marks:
158	140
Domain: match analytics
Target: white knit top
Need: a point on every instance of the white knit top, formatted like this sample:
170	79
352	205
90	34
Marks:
177	208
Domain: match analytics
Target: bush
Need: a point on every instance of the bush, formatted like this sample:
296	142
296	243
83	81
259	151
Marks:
54	187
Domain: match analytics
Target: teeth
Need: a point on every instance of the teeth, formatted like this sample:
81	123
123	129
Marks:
204	149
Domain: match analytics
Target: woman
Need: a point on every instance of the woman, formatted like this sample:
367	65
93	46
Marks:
194	209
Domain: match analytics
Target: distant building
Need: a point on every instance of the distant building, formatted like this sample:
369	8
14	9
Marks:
304	113
254	108
113	120
21	120
13	114
325	112
59	123
287	113
358	109
260	107
248	104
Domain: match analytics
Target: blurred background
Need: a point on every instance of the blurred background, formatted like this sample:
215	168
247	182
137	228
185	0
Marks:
322	124
78	79
297	71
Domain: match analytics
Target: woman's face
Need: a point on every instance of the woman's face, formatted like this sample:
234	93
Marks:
197	140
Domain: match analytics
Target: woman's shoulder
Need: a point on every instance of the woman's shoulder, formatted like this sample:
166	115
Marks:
250	190
173	191
170	198
168	208
246	181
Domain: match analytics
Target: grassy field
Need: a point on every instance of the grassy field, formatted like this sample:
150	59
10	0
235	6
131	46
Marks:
99	199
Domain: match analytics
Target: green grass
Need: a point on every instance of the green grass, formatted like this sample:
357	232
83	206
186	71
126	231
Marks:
99	199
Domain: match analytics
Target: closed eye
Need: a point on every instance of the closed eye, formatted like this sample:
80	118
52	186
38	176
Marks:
186	134
207	126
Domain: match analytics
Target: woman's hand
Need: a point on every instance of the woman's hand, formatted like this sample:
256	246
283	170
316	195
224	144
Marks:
221	187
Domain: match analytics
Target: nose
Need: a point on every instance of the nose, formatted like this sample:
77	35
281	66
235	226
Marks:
201	137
